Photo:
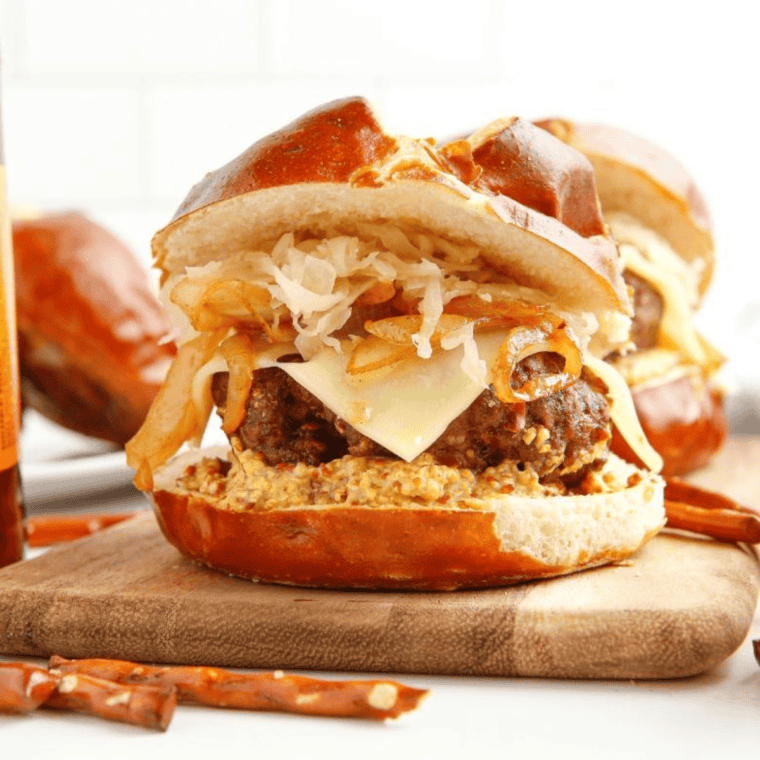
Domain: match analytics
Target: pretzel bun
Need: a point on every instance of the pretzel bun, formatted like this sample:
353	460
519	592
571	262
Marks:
681	410
654	208
335	175
639	178
90	326
323	173
492	542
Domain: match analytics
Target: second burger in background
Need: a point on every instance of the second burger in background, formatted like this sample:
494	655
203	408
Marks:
661	222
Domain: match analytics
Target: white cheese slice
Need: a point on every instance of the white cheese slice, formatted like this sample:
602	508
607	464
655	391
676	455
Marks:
651	258
406	411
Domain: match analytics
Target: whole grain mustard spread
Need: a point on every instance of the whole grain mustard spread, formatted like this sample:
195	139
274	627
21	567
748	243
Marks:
248	483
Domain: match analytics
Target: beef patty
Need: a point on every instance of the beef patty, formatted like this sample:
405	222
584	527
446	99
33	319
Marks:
647	311
287	424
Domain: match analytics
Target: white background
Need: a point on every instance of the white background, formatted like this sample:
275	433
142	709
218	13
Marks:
118	106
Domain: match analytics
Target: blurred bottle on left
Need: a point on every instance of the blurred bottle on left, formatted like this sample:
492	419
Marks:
11	505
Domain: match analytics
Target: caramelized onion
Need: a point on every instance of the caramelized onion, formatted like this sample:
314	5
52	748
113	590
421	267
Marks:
211	304
373	357
171	420
623	412
524	341
496	312
380	292
239	353
531	329
401	330
392	341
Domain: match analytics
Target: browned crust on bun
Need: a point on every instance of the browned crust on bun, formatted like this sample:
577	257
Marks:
635	176
335	166
511	158
425	547
683	419
327	144
351	548
91	330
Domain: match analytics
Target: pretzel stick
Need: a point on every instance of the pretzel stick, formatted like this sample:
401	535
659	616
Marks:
54	529
276	691
722	524
701	511
679	490
149	706
23	688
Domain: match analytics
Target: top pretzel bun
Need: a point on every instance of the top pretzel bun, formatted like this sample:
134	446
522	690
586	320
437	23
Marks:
637	177
336	166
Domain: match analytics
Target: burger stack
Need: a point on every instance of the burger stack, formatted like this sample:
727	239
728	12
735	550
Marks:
417	355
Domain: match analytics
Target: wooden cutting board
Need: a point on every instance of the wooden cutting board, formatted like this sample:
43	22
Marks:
681	606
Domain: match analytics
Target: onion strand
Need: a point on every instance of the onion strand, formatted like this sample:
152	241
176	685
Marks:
171	420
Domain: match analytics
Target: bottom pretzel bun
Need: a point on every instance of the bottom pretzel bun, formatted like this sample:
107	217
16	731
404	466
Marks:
477	542
680	407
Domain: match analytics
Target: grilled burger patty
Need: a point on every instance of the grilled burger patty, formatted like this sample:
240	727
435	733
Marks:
647	311
286	424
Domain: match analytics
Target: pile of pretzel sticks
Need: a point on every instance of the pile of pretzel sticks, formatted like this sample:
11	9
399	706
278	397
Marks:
146	695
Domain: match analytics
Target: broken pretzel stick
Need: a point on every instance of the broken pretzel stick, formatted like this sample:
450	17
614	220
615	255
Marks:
53	529
213	687
696	509
149	706
23	688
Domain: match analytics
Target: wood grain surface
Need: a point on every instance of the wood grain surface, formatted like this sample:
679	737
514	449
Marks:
681	606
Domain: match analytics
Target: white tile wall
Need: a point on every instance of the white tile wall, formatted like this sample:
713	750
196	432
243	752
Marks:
118	106
394	38
74	142
103	37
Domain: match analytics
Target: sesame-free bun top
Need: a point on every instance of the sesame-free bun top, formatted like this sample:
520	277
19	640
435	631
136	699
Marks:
639	178
335	167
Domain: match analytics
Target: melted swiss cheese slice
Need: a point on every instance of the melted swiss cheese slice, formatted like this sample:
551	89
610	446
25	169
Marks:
408	410
405	411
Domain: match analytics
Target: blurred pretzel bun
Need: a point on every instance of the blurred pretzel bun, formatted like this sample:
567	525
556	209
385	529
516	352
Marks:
90	326
683	418
637	177
327	171
678	397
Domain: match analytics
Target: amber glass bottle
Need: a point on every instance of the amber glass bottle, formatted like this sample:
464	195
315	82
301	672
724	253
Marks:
11	508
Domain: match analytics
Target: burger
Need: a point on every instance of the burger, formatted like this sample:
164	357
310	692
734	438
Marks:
93	338
661	221
404	345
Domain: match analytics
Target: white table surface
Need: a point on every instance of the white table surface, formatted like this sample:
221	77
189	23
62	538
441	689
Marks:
714	715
